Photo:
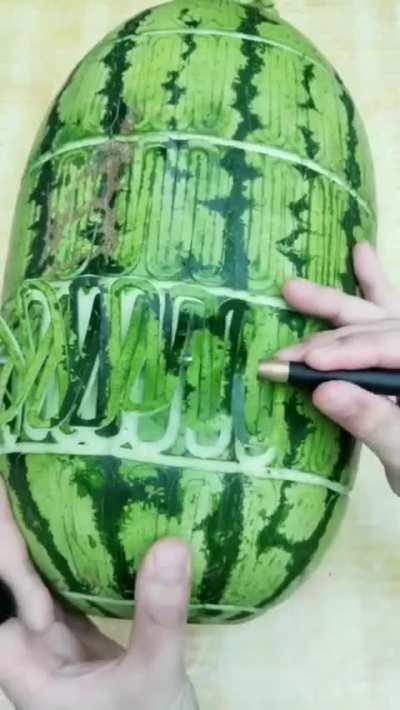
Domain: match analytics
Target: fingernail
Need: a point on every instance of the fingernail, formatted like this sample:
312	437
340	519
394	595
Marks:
171	563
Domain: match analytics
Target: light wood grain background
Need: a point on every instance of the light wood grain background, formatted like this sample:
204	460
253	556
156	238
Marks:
336	642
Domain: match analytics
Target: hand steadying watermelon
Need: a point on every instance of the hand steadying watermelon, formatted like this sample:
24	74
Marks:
198	157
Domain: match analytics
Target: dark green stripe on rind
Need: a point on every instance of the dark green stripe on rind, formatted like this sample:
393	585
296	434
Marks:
346	449
351	221
312	145
300	210
352	169
224	529
34	520
241	173
189	39
108	496
117	112
40	198
299	425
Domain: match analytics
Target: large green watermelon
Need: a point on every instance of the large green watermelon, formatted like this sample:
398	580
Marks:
197	158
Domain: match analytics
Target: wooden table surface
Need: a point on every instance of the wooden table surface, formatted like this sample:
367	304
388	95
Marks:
336	642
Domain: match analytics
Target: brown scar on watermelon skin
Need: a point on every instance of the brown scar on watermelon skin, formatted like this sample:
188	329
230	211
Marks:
116	156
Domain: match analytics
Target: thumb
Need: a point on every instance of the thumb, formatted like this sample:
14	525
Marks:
162	596
373	419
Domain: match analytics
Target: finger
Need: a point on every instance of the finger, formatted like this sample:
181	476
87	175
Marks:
162	595
34	602
21	671
297	352
372	279
361	350
329	303
372	419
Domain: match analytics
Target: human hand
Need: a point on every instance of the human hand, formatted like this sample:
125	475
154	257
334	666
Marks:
367	336
54	660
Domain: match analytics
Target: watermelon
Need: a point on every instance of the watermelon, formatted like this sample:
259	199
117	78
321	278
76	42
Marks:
199	156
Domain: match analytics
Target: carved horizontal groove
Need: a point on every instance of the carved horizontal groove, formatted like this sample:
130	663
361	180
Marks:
203	138
212	32
221	292
253	469
128	603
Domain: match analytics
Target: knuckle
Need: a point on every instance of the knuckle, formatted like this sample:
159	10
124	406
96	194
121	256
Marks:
321	337
347	339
